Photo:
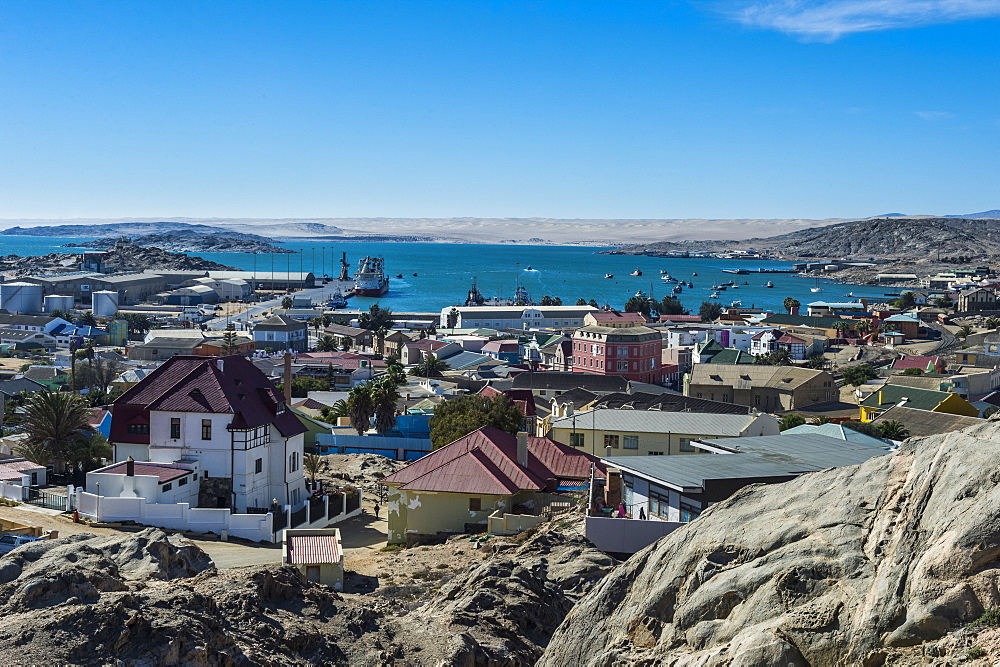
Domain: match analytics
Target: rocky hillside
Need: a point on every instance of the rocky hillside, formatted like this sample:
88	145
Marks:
877	564
185	241
879	238
146	599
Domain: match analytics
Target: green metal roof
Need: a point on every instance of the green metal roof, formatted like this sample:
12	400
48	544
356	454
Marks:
892	394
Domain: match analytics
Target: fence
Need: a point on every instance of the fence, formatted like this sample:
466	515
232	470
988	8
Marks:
47	499
626	536
176	516
400	449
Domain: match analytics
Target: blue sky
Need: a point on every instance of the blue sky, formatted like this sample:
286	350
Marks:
589	109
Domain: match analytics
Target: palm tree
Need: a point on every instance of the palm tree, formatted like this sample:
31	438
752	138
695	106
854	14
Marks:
87	319
57	427
326	344
992	322
287	302
313	465
396	373
384	394
841	326
360	408
380	335
965	331
790	303
333	412
893	430
73	347
863	325
430	367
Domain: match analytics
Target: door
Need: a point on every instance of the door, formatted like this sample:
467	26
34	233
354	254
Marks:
312	573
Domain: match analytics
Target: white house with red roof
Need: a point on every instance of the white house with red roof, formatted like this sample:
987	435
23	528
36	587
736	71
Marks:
798	347
212	432
457	488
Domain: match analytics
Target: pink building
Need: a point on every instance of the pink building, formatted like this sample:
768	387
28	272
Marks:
631	352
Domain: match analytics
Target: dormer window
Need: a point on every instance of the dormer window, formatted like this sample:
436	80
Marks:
281	407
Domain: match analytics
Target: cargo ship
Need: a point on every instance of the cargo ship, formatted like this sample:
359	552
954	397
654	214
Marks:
370	279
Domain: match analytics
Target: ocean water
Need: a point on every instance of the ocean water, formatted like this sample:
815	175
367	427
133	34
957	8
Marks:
444	273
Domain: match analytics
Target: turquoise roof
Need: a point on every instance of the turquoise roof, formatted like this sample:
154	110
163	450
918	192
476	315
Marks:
835	431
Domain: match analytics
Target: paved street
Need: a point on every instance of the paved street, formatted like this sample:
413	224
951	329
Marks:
320	295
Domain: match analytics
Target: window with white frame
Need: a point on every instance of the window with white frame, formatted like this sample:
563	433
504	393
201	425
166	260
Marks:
630	442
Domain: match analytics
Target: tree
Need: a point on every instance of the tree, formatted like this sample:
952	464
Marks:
820	420
816	362
302	386
862	427
709	311
360	408
863	326
943	303
229	343
312	464
841	326
380	335
287	302
332	413
376	318
430	367
57	427
780	357
396	373
858	375
461	416
965	331
791	421
671	305
98	377
327	344
906	301
638	304
913	371
384	394
452	319
581	302
592	303
138	324
893	430
546	301
557	301
87	319
789	303
992	322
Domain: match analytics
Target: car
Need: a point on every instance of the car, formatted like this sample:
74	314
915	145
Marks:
10	542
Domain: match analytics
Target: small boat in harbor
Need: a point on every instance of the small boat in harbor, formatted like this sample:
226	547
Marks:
664	272
414	275
695	273
399	275
736	304
677	289
637	272
713	295
609	275
768	284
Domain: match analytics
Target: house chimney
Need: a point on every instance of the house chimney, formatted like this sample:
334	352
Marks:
522	449
130	467
287	378
221	366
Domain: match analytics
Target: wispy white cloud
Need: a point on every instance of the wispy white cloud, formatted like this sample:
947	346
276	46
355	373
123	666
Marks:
934	115
828	20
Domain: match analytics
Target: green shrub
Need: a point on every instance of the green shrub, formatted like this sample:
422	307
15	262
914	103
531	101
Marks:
391	547
990	618
976	652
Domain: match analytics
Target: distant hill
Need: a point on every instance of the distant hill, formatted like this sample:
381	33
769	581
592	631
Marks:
114	229
877	237
890	215
995	213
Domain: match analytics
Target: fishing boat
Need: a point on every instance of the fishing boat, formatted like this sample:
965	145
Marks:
677	289
399	275
768	284
609	275
637	272
736	304
337	300
816	288
640	294
370	279
713	295
694	273
664	272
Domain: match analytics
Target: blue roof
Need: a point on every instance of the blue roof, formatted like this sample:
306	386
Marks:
902	318
467	359
836	431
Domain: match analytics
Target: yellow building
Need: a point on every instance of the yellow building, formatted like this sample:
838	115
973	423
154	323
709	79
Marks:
891	395
317	553
653	432
485	476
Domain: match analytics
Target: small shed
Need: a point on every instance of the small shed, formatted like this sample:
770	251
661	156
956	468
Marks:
317	553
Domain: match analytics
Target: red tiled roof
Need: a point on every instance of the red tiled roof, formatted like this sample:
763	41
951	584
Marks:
485	462
522	398
425	344
309	404
313	549
500	346
97	415
615	316
680	318
789	339
162	471
915	362
216	385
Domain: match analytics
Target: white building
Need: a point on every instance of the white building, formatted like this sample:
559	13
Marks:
210	431
514	317
280	333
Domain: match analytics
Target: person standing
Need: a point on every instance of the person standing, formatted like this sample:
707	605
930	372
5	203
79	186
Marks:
376	509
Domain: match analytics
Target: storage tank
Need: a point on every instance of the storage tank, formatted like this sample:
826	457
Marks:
61	302
21	297
105	303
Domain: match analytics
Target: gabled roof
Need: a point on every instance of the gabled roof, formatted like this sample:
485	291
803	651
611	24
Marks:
485	462
654	421
922	363
280	323
562	381
835	431
668	402
784	378
889	395
426	344
313	549
803	320
921	423
207	385
615	316
732	357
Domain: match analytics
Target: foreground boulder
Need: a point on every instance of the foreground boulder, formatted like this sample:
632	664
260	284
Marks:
843	567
